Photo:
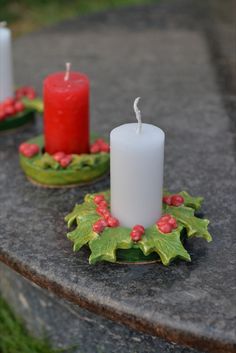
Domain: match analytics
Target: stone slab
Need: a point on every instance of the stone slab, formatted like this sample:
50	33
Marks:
69	325
188	303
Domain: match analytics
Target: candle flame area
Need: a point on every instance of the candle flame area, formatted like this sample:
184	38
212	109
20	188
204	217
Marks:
138	115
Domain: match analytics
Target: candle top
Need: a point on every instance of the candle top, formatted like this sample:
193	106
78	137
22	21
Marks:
73	80
126	135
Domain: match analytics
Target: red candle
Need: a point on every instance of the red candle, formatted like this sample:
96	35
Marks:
66	112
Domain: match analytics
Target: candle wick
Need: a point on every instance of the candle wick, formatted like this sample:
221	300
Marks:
67	74
138	115
3	24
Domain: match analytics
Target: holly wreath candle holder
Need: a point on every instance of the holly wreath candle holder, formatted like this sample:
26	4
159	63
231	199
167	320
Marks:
96	228
132	222
19	110
60	169
66	155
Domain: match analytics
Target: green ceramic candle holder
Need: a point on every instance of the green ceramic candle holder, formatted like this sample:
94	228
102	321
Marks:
20	109
113	243
17	120
42	169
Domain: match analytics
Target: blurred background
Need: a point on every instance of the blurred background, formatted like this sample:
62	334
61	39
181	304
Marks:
27	15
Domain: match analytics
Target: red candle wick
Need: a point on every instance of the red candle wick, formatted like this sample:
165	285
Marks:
67	74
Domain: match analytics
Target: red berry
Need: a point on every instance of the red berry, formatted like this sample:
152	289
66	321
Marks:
106	214
177	200
103	204
165	217
167	200
113	222
104	147
9	110
103	211
58	156
95	148
140	228
104	222
29	149
98	198
165	228
100	211
34	149
19	106
65	161
136	235
9	101
99	226
172	221
23	146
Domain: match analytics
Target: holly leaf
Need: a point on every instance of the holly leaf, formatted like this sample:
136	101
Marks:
103	248
46	161
79	212
190	201
167	246
83	234
195	226
85	161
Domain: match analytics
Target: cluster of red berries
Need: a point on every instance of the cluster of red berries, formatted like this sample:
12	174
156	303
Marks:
10	107
107	220
25	91
166	223
13	105
62	158
137	232
99	146
29	149
173	200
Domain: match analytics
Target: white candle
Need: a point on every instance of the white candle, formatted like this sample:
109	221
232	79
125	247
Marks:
137	158
6	72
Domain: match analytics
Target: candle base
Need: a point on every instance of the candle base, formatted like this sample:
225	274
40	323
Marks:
97	229
44	170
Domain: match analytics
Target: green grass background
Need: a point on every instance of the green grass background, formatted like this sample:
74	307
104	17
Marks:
26	15
14	338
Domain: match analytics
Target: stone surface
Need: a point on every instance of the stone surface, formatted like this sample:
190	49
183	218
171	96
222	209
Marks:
129	54
68	325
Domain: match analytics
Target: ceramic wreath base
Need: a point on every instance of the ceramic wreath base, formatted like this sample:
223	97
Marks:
17	120
116	245
44	171
30	105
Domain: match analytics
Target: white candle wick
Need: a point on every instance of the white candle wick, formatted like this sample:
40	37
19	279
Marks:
3	24
67	74
138	115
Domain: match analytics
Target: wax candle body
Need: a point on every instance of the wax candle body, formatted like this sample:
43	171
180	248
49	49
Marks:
137	174
6	72
66	113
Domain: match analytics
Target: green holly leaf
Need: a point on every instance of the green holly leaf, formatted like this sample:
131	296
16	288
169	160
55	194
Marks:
196	227
85	161
83	234
167	246
80	211
46	161
190	201
103	247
